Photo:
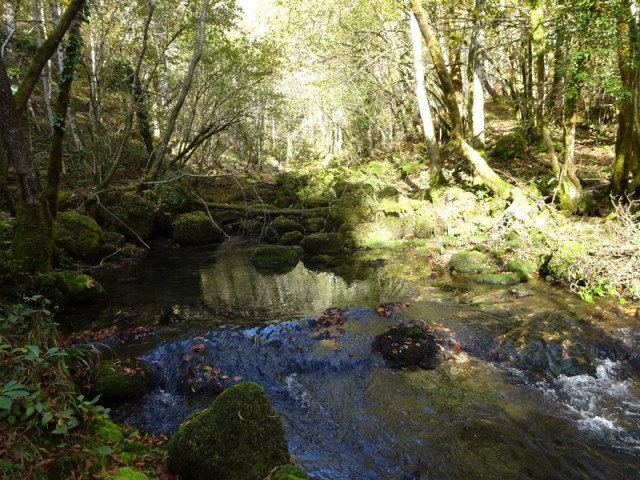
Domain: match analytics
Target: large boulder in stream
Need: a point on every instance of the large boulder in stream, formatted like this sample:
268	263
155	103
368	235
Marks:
195	228
239	437
470	261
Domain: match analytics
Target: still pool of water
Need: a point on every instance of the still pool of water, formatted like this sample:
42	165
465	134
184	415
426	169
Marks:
482	414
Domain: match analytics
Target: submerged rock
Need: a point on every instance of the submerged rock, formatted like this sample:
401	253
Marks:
239	437
412	344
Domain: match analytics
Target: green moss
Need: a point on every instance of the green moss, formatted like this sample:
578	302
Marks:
32	243
127	213
522	267
266	255
563	261
323	243
387	232
195	228
289	472
122	379
240	437
128	473
509	147
78	235
291	238
470	261
82	288
283	225
500	278
428	225
106	431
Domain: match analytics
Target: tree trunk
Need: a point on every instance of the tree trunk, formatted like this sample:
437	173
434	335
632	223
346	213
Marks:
435	163
44	53
32	242
72	53
157	160
569	191
627	135
498	186
476	61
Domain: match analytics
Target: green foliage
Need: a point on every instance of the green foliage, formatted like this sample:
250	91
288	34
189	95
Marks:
36	388
509	146
604	287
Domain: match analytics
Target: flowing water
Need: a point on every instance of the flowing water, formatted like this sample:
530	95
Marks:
545	386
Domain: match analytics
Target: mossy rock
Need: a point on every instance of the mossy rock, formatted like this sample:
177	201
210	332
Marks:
105	431
510	278
387	232
291	238
80	236
239	437
314	224
323	243
127	213
82	288
195	228
289	472
522	267
509	146
284	225
266	255
124	379
410	344
127	473
470	261
564	259
428	225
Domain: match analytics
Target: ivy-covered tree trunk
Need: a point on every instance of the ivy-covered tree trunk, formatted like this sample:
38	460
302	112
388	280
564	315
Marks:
32	242
72	53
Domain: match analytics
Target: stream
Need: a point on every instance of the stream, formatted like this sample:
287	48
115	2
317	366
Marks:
544	387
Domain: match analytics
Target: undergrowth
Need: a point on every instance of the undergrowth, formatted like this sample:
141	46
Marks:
48	429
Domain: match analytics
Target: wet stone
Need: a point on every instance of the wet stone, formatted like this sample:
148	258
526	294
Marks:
415	344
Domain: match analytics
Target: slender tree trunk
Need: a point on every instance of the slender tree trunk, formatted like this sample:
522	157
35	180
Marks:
435	163
45	75
627	135
538	40
157	163
72	53
498	186
569	192
476	60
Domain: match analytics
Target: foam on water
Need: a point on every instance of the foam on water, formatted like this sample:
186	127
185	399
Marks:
602	404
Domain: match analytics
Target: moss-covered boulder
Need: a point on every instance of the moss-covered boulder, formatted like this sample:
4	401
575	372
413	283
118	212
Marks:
239	437
266	255
314	224
522	267
78	235
470	261
322	243
124	379
129	214
284	224
564	259
81	288
429	224
385	233
291	238
195	228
